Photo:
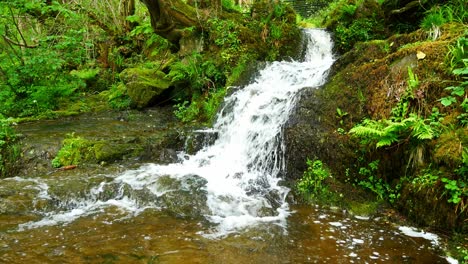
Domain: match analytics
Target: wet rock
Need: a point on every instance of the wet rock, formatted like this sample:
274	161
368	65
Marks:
197	139
184	197
312	132
106	151
108	137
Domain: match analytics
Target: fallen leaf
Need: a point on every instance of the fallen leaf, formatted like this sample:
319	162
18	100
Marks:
420	55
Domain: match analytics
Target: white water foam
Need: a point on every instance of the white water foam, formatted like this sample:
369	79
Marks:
413	232
242	166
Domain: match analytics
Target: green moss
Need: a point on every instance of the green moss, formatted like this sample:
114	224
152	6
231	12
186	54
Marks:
458	247
144	85
449	149
107	151
86	74
74	150
364	208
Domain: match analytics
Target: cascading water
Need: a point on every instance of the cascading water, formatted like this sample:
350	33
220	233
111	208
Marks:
237	175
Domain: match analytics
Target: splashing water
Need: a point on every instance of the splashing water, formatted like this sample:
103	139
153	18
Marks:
238	174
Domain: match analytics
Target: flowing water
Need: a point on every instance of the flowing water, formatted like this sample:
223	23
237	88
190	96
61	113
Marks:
224	204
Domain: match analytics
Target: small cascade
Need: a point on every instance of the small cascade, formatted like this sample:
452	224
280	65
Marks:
234	182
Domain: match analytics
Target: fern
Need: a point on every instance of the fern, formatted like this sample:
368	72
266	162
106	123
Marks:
383	132
386	132
421	130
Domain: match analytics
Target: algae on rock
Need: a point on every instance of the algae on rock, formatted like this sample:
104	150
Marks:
144	85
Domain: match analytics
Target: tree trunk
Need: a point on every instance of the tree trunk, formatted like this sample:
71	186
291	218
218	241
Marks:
128	9
169	17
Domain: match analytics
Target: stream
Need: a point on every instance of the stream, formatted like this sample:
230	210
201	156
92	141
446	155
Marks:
223	204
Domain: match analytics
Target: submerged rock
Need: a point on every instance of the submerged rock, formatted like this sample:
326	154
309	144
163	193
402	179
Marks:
184	197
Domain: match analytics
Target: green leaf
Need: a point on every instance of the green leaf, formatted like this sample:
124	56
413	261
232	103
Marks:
447	101
456	90
460	71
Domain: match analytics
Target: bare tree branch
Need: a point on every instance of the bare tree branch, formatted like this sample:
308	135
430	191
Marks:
407	7
25	45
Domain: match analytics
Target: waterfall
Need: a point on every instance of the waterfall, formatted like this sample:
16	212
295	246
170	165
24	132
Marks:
238	175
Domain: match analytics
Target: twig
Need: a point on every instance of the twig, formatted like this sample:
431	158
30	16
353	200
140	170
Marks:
16	25
9	40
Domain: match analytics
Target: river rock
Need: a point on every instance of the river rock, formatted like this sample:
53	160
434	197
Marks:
184	197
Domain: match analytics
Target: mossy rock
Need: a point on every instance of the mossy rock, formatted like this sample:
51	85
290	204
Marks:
74	151
144	85
107	151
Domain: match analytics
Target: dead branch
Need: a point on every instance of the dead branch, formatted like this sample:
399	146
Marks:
407	7
25	45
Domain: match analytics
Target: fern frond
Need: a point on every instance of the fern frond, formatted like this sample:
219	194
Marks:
421	130
388	140
369	128
384	132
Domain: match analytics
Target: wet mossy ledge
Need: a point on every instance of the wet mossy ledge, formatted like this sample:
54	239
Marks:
371	82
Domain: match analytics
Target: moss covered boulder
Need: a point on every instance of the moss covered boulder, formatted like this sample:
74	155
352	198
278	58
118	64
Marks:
144	85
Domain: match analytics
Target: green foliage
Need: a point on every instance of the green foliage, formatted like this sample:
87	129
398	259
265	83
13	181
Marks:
117	97
340	114
456	191
186	111
275	32
202	75
429	178
386	132
312	182
225	34
457	58
349	9
202	109
401	125
436	16
432	22
363	29
144	32
205	80
9	149
279	10
229	5
74	150
376	184
211	105
36	57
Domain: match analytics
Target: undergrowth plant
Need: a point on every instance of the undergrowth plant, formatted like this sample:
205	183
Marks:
435	17
205	81
404	126
457	59
38	51
9	149
74	150
312	182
